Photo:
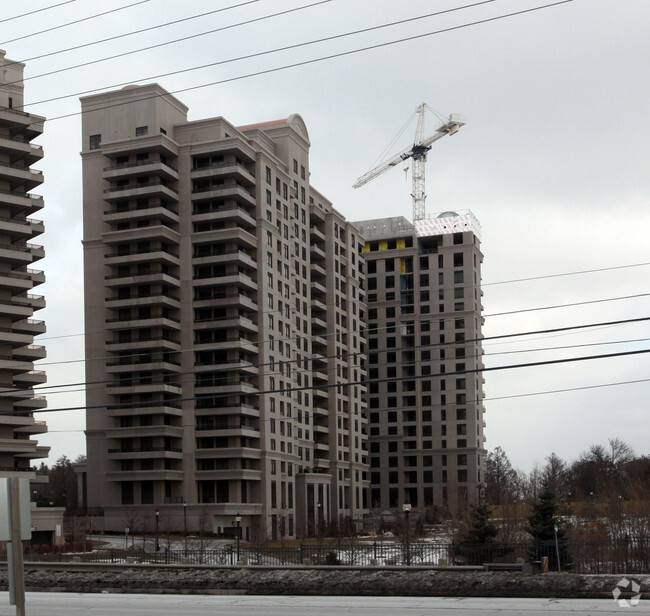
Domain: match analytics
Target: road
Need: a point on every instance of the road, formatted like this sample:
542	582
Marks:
55	604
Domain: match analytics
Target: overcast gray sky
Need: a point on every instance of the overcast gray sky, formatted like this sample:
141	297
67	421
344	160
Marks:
553	162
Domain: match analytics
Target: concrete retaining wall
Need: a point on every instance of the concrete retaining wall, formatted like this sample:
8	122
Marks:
317	581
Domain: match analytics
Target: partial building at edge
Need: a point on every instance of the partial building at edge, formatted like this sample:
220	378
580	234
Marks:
18	427
424	360
224	306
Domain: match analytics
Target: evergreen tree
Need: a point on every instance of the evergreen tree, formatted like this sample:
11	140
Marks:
477	544
542	523
480	529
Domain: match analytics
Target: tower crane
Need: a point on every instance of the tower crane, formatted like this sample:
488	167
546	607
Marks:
418	152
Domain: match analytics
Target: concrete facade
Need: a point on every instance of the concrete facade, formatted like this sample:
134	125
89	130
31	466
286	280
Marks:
223	307
18	427
425	396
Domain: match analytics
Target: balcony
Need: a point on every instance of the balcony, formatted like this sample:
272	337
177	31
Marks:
317	252
155	168
31	404
229	234
18	255
130	453
228	452
140	475
135	323
225	169
152	276
19	148
234	257
19	175
316	233
227	324
31	125
33	327
145	431
231	299
27	202
235	280
31	352
237	214
138	190
243	474
153	211
136	345
233	191
30	378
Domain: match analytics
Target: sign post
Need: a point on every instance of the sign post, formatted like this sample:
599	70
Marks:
15	526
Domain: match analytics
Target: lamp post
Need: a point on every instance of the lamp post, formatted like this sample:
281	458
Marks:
157	543
319	520
238	522
406	508
185	526
557	547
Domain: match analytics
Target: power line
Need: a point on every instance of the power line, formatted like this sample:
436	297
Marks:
344	355
46	8
95	385
369	331
558	391
571	305
421	319
236	59
70	23
287	390
320	59
490	399
133	32
589	271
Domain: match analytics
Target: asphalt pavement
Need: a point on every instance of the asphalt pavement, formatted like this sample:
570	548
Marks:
65	604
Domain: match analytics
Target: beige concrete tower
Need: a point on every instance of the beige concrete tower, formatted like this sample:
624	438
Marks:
17	278
209	262
425	392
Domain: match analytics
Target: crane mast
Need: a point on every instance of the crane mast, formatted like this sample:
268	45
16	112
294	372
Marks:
418	152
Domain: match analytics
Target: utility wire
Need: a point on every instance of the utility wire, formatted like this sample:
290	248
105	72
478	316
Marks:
46	8
340	356
589	271
369	331
133	32
559	391
571	305
422	318
230	60
70	23
320	59
490	399
339	385
98	385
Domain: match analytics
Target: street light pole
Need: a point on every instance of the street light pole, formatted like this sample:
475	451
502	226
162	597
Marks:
157	543
185	527
406	508
557	547
238	521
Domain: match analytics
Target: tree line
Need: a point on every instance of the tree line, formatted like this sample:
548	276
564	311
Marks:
600	474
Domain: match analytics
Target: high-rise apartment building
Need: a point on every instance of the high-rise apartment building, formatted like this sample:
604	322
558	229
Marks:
224	307
425	388
17	278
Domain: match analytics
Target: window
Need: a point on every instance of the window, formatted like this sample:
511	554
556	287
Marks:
95	142
141	131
